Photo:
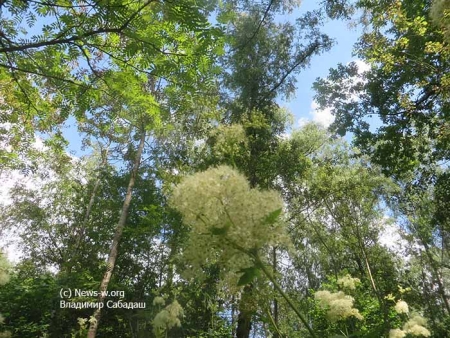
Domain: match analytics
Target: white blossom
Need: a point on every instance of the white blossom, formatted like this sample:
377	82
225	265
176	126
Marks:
227	218
401	307
82	322
416	327
168	318
396	333
347	282
339	305
159	301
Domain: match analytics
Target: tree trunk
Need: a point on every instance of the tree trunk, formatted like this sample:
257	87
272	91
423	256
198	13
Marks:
233	330
117	236
244	322
87	214
275	302
437	277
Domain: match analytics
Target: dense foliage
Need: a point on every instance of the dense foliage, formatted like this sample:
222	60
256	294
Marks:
197	209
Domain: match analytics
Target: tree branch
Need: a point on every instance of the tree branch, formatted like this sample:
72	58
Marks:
306	54
58	40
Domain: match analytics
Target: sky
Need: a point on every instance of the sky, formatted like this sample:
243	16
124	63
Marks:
302	106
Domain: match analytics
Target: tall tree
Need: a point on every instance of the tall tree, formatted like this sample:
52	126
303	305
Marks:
406	91
262	66
405	88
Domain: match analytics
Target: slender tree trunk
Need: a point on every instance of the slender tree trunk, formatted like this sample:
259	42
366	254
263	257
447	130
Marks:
117	236
437	277
233	330
275	302
259	263
244	323
170	264
87	214
428	296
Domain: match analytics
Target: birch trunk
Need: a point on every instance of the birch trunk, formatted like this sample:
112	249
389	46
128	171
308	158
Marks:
87	214
117	236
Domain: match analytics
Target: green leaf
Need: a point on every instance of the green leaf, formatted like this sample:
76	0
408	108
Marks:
219	231
272	217
249	274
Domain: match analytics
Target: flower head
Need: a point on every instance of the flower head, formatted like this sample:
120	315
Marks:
168	318
227	218
339	305
396	333
159	301
416	327
401	307
348	282
82	322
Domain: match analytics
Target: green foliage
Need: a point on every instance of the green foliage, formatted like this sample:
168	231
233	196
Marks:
406	88
271	218
248	275
28	303
440	13
267	218
4	279
4	269
79	48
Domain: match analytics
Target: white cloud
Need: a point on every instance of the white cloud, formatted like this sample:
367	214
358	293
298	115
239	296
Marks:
390	237
198	143
8	241
362	66
321	116
324	116
284	136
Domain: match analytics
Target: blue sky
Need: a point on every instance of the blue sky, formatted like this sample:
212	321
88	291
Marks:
341	52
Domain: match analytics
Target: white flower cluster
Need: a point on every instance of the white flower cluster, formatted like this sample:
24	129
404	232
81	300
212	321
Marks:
414	327
227	217
229	139
82	322
339	305
396	333
401	307
159	301
347	282
168	318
